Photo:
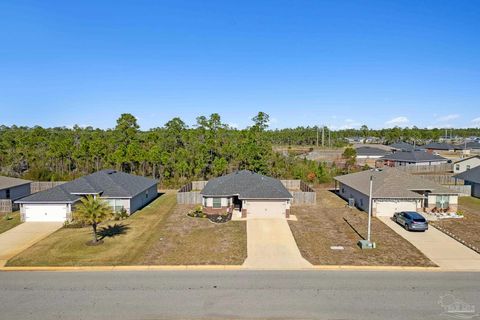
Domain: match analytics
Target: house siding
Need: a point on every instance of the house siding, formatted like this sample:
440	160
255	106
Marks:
361	200
143	198
461	166
16	192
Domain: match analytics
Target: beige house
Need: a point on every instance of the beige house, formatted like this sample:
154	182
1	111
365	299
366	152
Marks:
394	191
466	164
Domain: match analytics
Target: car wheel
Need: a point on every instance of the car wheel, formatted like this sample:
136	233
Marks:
406	227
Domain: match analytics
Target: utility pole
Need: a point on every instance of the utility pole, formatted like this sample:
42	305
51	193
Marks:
370	209
317	136
323	136
329	138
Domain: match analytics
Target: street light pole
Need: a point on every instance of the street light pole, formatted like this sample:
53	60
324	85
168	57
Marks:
370	210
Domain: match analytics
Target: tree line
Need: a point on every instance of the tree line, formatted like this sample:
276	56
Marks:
174	153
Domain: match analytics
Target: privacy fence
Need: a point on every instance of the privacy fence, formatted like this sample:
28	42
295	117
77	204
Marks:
439	168
7	205
301	192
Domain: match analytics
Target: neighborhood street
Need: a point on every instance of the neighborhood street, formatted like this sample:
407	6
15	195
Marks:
235	294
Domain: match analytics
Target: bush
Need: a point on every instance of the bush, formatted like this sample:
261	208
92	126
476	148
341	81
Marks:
120	215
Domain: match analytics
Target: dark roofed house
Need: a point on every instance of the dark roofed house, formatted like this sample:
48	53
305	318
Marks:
402	146
438	146
412	158
251	193
371	152
12	189
395	190
120	190
472	178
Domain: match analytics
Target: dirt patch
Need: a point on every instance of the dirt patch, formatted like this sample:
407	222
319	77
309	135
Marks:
187	240
331	223
468	227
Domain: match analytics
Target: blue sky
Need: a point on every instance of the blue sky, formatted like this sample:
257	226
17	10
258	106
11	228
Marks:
338	63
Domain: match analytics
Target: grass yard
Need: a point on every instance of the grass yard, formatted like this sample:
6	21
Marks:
467	228
10	223
185	240
331	223
125	241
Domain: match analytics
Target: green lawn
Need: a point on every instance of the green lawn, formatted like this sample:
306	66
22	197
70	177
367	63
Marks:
125	241
7	224
158	234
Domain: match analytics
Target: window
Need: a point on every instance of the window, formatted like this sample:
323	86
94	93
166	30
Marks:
457	167
343	190
7	193
443	202
146	194
361	202
217	202
468	167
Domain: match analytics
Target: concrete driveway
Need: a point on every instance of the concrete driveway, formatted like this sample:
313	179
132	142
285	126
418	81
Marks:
23	236
270	245
446	252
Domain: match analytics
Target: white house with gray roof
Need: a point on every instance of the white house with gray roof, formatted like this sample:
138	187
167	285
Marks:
395	190
252	194
120	190
472	178
411	158
12	189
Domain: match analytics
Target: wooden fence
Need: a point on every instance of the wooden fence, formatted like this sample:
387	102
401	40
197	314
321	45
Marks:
37	186
444	179
5	205
439	168
301	192
464	191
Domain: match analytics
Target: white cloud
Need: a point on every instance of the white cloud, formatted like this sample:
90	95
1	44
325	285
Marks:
347	124
398	121
476	122
448	117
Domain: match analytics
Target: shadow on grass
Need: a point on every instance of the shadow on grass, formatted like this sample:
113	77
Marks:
113	231
353	228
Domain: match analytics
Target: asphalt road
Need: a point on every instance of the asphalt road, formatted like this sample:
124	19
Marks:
233	294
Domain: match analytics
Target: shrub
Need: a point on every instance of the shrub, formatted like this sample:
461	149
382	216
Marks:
120	215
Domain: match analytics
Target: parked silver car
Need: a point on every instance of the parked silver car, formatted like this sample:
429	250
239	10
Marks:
411	221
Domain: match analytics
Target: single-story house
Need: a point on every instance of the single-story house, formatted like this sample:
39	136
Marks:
394	191
465	164
411	158
120	190
438	147
371	152
472	178
402	146
13	189
252	194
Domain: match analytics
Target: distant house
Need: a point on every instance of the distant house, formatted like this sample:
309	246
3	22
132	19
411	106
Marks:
438	147
411	158
402	146
466	164
371	152
122	191
13	189
394	191
472	178
253	194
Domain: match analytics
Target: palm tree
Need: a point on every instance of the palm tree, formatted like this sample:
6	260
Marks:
93	211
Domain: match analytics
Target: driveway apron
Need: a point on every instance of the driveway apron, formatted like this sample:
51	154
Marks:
446	252
271	245
23	236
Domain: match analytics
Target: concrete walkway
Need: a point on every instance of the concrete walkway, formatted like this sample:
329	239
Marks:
270	245
446	252
23	236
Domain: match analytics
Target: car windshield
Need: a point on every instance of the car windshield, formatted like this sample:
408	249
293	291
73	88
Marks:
419	220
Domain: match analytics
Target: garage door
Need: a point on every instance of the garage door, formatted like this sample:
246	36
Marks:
41	212
388	208
266	209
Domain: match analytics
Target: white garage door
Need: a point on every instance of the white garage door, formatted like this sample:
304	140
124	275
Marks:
266	209
388	208
45	212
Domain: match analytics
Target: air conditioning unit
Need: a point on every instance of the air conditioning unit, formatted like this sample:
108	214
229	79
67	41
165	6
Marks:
351	202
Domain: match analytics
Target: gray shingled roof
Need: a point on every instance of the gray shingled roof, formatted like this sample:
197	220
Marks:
371	151
402	146
391	183
414	156
472	175
466	159
8	182
438	146
468	145
106	183
247	185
